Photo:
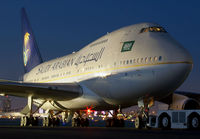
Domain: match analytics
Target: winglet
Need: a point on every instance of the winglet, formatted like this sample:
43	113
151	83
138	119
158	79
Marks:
31	53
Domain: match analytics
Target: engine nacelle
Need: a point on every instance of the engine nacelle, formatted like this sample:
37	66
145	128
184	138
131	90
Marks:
181	102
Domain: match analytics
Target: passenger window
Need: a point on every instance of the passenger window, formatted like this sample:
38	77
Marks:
146	60
138	60
160	58
155	58
151	59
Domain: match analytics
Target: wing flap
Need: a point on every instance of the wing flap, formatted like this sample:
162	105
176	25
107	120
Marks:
47	91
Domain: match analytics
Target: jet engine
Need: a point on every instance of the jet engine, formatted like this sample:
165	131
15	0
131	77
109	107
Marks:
181	102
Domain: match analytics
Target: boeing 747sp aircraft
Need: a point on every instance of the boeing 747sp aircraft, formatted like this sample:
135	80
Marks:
134	65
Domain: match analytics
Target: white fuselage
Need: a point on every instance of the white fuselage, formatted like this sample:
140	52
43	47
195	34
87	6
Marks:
111	75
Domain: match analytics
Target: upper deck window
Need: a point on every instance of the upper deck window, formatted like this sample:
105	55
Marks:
153	29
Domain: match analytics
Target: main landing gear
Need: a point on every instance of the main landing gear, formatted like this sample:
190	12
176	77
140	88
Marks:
50	121
117	120
28	119
80	121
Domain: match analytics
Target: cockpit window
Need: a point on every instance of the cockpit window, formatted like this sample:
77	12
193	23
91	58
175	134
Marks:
153	29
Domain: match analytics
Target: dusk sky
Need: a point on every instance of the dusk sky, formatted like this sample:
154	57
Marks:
64	26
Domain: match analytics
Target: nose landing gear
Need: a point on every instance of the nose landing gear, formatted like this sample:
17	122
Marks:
143	113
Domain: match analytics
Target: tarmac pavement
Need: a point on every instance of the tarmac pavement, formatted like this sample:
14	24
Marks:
16	132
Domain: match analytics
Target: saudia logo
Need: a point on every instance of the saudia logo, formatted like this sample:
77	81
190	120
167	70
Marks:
26	48
127	46
95	56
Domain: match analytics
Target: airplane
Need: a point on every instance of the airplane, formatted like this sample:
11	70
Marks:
134	65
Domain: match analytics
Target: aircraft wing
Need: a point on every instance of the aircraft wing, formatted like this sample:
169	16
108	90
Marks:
47	91
194	95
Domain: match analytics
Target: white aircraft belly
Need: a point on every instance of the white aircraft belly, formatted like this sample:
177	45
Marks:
138	82
88	99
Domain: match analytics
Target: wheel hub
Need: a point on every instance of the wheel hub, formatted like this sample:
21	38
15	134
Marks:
137	122
195	122
165	121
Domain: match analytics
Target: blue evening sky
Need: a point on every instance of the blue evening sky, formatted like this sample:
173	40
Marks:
64	26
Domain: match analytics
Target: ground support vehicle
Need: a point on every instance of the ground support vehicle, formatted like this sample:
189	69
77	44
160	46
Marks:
177	119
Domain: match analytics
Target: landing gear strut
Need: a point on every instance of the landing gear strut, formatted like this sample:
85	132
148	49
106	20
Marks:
28	119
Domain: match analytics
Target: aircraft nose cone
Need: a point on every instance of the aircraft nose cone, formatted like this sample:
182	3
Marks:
182	55
177	54
174	51
169	48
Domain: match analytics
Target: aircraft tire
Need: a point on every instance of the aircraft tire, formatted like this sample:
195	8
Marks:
56	121
73	122
115	122
138	122
76	122
26	121
44	121
87	122
121	123
112	122
84	122
22	121
49	121
35	121
108	122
